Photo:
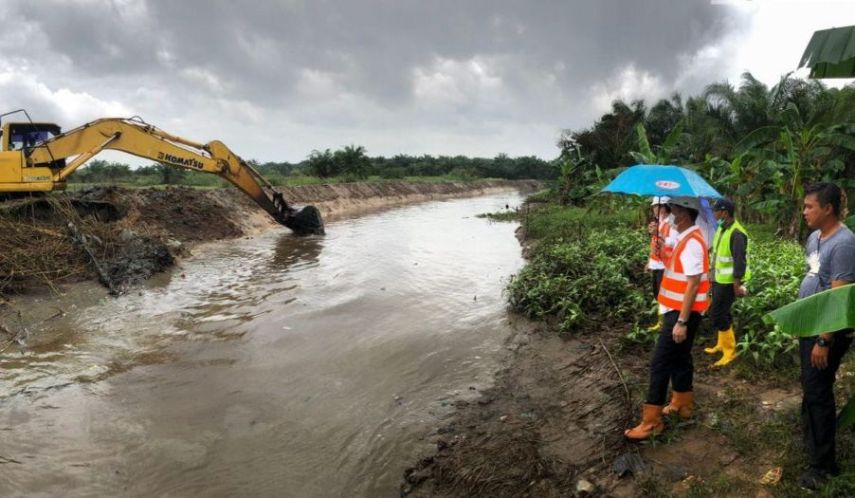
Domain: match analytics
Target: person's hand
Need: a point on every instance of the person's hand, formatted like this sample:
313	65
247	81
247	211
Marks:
739	290
679	332
819	356
652	228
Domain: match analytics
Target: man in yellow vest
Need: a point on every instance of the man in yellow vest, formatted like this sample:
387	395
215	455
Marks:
682	298
730	269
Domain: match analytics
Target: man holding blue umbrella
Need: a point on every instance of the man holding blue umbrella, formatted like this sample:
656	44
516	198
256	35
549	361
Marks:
683	296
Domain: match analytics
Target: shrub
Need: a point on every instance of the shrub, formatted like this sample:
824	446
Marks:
777	268
599	274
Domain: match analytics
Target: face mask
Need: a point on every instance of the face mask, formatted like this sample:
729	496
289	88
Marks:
672	220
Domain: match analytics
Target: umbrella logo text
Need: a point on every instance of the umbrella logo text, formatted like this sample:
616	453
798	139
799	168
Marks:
667	185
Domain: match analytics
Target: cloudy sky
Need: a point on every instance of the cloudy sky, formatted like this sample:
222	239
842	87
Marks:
275	79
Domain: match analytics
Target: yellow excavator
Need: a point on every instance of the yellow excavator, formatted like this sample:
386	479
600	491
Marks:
39	157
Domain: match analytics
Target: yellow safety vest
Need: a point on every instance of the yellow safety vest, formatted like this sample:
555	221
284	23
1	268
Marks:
722	258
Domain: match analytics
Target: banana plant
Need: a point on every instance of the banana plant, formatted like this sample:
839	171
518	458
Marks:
664	153
803	151
826	311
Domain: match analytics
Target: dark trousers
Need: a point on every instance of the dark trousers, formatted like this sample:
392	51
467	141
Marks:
672	362
656	281
819	413
722	301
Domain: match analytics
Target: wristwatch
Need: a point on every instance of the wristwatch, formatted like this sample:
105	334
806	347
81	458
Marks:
680	321
823	343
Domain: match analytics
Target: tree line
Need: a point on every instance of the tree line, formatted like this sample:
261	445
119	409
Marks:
756	144
349	163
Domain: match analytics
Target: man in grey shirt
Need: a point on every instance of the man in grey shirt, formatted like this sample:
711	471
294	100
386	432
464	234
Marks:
830	251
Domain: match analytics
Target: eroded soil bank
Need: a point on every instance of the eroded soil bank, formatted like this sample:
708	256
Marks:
123	236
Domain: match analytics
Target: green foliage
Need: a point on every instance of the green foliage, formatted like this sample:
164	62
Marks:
500	216
350	163
591	274
589	267
777	268
557	222
759	146
109	171
322	164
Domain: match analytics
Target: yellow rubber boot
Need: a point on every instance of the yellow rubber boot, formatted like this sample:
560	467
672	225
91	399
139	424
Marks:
681	404
656	327
651	423
728	347
717	348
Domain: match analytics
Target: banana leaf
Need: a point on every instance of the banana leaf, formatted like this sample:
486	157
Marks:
831	53
827	311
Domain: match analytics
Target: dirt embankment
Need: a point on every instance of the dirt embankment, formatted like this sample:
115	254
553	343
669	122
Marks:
122	236
550	427
349	199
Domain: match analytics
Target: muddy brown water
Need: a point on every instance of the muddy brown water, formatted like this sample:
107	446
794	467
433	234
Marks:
272	366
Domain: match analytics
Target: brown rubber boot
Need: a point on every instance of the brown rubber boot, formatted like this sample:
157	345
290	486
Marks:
681	404
651	423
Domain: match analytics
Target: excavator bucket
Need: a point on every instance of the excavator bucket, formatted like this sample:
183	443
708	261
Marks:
306	221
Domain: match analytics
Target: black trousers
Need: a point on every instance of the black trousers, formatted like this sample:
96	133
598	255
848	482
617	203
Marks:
656	281
819	413
722	301
672	362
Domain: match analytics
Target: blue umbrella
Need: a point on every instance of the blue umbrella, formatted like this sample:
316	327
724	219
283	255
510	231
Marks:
654	179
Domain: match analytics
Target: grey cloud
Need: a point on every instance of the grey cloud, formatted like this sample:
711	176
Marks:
546	54
258	46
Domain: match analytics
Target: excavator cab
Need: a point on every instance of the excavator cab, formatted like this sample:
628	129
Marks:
22	136
17	142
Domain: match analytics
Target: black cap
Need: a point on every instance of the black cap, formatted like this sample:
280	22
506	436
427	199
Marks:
724	204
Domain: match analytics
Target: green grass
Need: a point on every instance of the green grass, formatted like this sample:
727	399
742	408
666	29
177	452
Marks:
552	221
500	216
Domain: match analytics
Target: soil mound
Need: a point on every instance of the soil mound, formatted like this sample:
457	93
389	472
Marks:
116	235
185	213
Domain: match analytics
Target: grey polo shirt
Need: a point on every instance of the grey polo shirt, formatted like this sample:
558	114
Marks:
828	260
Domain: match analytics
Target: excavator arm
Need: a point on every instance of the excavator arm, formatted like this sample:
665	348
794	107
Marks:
64	153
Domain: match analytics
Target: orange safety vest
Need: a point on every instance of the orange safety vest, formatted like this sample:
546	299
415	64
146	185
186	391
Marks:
664	232
674	281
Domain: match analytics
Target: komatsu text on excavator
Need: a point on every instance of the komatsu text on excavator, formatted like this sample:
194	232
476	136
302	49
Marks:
38	157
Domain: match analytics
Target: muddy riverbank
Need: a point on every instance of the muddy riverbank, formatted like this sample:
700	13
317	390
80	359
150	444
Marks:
551	426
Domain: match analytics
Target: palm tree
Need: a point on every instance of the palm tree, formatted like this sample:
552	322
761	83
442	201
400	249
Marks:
802	152
352	161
